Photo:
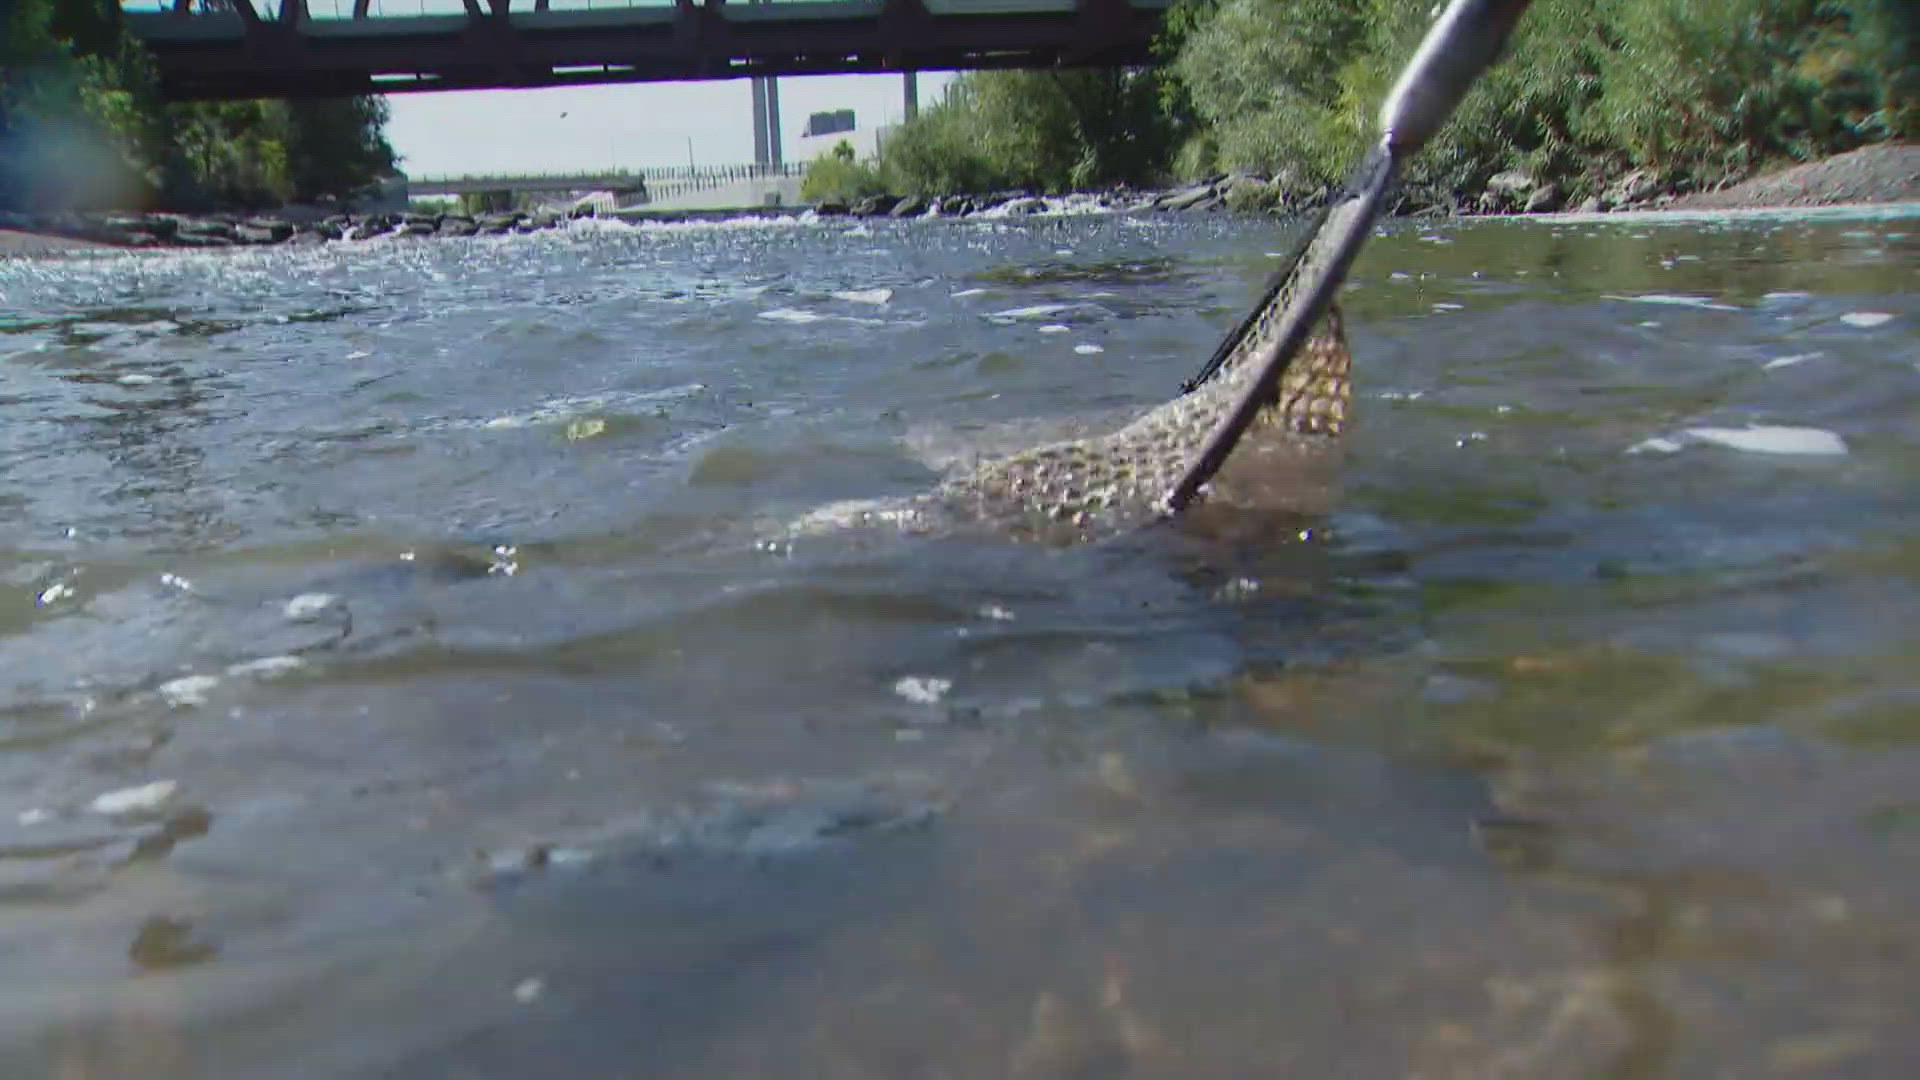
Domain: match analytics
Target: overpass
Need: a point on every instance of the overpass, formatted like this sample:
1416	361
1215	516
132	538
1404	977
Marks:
656	182
618	183
214	49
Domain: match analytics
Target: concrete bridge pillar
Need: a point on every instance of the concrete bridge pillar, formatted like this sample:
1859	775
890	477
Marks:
766	120
913	94
759	86
772	120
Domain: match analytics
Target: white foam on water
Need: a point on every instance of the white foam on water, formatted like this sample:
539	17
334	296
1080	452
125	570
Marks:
1866	320
1675	300
964	293
134	800
564	410
864	296
1764	439
267	667
307	605
791	315
1036	311
1088	350
189	689
1659	444
1056	328
1789	361
1752	439
922	689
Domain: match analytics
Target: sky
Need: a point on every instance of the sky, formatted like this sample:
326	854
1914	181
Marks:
628	125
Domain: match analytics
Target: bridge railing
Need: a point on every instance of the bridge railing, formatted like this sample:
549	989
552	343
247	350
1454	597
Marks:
227	49
650	174
382	9
331	10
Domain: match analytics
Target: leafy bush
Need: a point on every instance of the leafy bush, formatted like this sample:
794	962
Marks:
835	175
83	125
1035	130
1696	90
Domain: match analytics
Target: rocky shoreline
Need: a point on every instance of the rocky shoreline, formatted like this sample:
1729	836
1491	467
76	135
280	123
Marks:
1882	173
134	230
1232	192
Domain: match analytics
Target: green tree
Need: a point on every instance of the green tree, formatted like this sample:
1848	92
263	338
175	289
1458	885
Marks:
835	175
77	108
82	125
335	146
1045	130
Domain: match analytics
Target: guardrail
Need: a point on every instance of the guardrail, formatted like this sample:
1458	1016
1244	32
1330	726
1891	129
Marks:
648	174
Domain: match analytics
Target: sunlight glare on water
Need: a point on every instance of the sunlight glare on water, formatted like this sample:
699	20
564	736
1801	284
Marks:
406	668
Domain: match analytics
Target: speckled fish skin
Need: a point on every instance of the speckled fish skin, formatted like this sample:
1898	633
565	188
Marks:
1116	480
1080	488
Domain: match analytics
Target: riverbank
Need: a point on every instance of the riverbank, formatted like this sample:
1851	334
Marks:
1884	173
27	234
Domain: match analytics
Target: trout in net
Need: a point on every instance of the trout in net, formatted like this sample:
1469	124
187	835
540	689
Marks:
1083	488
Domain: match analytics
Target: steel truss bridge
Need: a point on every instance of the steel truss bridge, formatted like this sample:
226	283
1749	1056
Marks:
214	49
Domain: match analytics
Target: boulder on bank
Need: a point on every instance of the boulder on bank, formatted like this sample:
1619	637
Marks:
875	205
1188	198
277	231
1544	199
248	234
1636	187
205	228
909	206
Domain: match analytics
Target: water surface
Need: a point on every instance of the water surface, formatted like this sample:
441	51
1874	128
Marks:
425	613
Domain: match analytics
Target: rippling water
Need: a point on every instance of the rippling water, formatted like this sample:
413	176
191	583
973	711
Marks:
405	669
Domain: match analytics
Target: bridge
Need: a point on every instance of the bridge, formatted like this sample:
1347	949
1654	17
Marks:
657	182
618	183
215	49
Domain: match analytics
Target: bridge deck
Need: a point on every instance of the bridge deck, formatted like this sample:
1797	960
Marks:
240	53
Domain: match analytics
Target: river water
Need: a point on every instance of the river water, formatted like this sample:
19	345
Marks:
406	668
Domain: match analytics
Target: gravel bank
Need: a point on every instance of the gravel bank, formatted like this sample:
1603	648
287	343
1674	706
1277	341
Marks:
1883	173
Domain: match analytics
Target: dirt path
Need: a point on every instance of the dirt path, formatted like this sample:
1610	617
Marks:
1883	173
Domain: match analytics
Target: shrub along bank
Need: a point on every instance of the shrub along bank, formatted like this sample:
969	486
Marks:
1608	100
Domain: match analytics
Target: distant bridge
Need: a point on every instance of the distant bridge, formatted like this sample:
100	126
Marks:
212	49
550	182
657	182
